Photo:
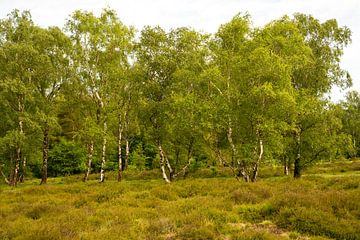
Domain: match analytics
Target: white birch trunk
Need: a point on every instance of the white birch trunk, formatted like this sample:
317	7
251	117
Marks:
256	165
120	129
127	153
162	165
240	165
103	154
286	167
171	171
90	157
22	177
18	148
17	166
5	178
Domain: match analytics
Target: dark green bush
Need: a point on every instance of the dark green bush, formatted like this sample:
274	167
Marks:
66	158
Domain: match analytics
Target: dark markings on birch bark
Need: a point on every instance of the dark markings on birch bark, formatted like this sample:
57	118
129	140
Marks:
120	129
162	164
15	176
45	149
297	167
256	165
17	167
103	154
241	169
23	169
127	153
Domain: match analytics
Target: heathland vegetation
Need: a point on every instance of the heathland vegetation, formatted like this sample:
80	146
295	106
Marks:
207	204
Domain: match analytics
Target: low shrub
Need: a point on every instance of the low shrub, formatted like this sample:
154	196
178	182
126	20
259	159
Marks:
315	222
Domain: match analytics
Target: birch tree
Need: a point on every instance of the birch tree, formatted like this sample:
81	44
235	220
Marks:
54	47
315	78
100	45
171	63
19	60
351	120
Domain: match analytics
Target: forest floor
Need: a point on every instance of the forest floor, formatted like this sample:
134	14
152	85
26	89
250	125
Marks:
323	204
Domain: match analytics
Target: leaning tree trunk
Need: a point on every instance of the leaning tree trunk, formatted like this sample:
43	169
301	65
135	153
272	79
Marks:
297	167
90	157
120	130
7	181
168	165
103	155
256	165
162	164
45	150
189	155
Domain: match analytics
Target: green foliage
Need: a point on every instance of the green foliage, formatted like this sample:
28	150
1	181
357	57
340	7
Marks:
241	98
138	159
350	118
66	158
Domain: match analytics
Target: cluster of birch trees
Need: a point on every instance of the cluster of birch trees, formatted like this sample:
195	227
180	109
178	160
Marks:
238	98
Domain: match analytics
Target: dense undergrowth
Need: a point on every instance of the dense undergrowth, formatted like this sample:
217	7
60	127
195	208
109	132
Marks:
318	206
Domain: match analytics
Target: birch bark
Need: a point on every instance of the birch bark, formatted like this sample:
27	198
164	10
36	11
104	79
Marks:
90	157
120	130
162	164
45	150
103	154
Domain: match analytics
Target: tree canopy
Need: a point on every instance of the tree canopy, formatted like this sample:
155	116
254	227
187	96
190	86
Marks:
172	100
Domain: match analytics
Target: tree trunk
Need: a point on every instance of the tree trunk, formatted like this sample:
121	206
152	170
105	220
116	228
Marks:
45	150
103	155
171	171
5	178
127	153
297	167
15	176
232	145
241	171
90	157
177	156
189	155
120	129
23	173
256	165
286	167
162	165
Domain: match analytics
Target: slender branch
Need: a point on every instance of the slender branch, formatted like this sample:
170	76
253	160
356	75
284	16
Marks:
183	169
218	89
5	178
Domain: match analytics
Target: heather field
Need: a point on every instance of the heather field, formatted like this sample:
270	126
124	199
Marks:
323	204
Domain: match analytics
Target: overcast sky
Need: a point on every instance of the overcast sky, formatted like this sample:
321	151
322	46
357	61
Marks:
205	15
